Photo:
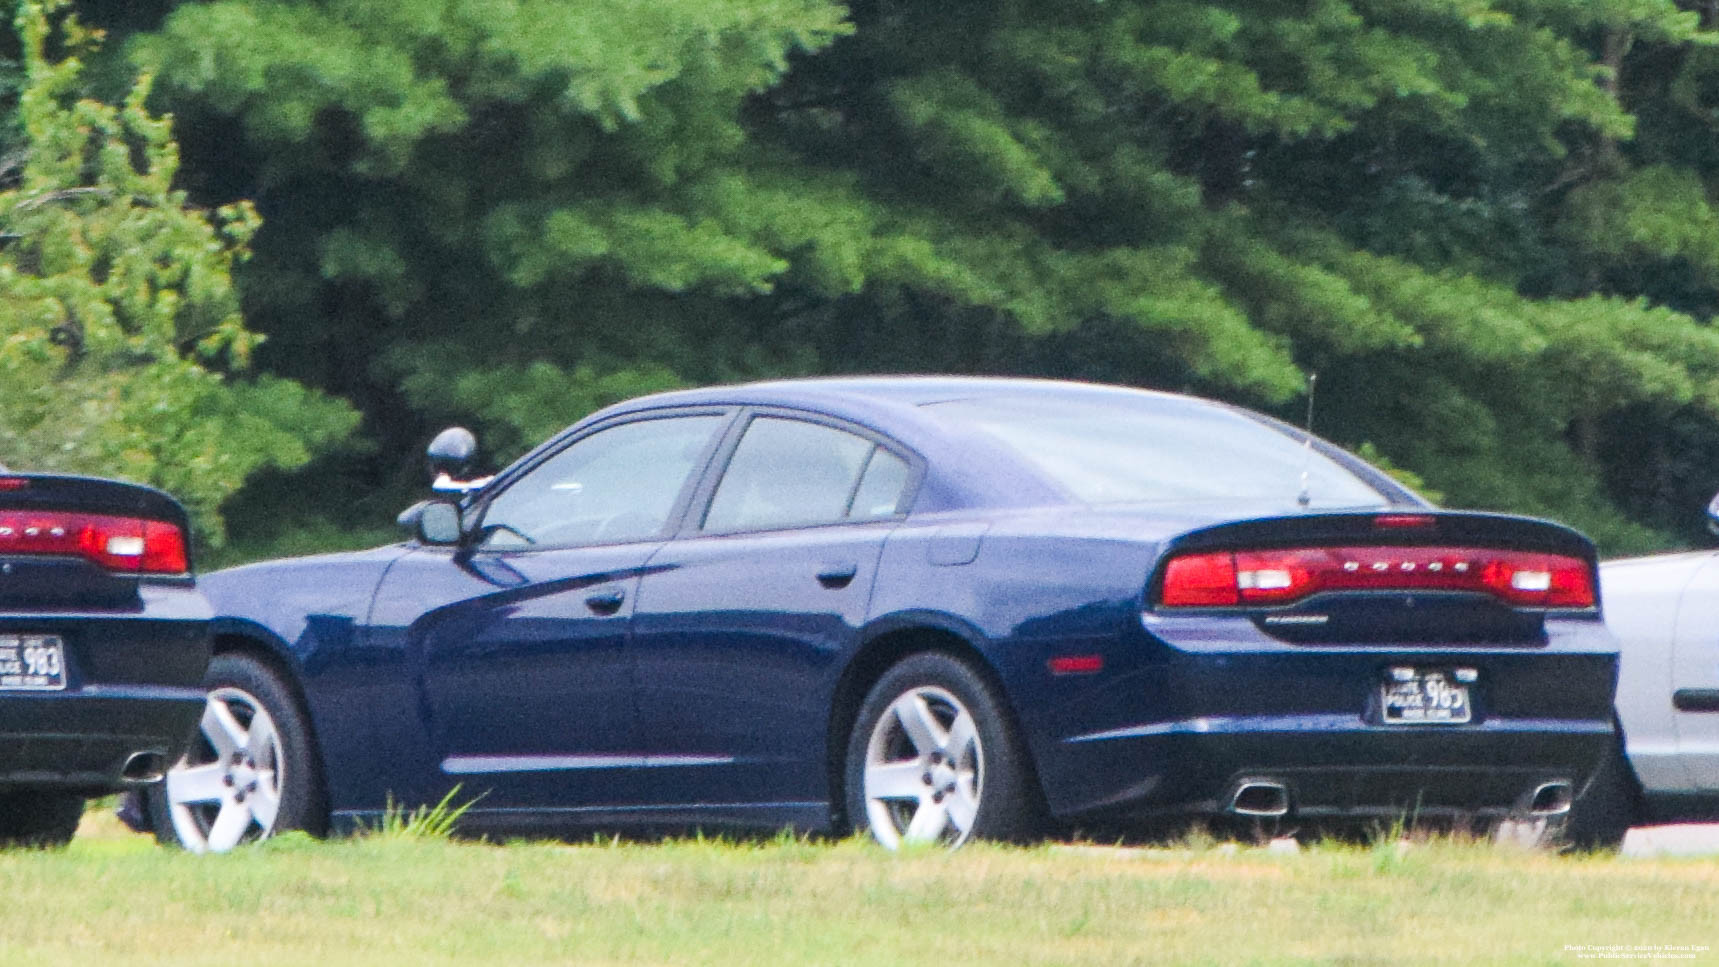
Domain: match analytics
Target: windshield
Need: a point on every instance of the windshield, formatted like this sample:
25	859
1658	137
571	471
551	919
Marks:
1118	449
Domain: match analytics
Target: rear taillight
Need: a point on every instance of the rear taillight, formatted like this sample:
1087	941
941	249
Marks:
1241	578
124	544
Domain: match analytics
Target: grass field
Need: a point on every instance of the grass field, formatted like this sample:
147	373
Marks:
113	898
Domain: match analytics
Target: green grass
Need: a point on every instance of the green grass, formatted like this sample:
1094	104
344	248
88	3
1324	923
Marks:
380	899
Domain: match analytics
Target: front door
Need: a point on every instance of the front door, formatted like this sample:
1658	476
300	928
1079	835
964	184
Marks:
518	640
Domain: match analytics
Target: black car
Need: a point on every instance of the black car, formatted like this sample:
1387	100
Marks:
104	639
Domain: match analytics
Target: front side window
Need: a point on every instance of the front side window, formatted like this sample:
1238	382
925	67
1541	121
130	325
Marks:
619	484
790	473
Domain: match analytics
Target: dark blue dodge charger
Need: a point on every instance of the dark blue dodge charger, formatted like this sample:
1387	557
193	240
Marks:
928	608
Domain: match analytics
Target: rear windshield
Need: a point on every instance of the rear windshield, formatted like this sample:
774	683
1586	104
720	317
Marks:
1120	450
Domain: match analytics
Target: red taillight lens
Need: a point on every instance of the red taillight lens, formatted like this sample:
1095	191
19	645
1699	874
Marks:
1201	580
1551	580
163	549
1530	579
124	544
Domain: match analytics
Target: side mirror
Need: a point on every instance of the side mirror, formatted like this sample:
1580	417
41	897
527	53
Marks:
1713	514
449	456
438	522
408	519
451	451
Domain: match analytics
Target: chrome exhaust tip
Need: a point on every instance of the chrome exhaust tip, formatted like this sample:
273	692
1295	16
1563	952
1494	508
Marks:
144	767
1260	797
1551	799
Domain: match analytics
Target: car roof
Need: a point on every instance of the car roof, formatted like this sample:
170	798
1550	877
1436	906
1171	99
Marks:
966	467
820	391
989	474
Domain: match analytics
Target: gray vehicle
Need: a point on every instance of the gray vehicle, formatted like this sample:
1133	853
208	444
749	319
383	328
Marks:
1664	611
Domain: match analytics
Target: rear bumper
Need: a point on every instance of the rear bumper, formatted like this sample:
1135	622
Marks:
1334	767
85	740
1179	728
133	688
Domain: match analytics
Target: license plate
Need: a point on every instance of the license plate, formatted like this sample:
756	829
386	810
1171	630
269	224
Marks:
32	663
1425	698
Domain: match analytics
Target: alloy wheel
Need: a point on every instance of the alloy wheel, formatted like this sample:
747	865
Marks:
924	770
227	789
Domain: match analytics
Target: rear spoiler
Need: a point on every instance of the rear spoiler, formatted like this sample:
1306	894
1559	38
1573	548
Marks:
92	495
1409	527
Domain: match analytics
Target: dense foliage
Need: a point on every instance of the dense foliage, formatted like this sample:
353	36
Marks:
1486	224
118	317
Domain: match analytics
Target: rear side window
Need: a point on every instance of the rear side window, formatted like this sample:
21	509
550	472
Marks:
790	473
881	487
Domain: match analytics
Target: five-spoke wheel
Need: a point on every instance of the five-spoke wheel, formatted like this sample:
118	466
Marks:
228	787
248	773
922	770
932	758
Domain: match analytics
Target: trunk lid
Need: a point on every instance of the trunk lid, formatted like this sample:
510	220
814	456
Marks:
1387	576
69	542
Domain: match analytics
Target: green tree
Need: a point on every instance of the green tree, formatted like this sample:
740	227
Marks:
1369	190
119	323
1484	223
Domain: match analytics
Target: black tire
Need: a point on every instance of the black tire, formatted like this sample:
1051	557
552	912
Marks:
39	819
249	688
1606	809
990	777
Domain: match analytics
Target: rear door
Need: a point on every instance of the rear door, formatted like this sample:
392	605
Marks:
743	620
517	641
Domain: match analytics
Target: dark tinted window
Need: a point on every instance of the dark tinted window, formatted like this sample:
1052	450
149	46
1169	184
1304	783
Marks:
616	485
881	486
789	473
1114	449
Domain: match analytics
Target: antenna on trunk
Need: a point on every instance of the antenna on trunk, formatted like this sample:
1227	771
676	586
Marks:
1305	496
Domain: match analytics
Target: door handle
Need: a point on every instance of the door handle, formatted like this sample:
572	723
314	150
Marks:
837	575
1695	700
606	602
